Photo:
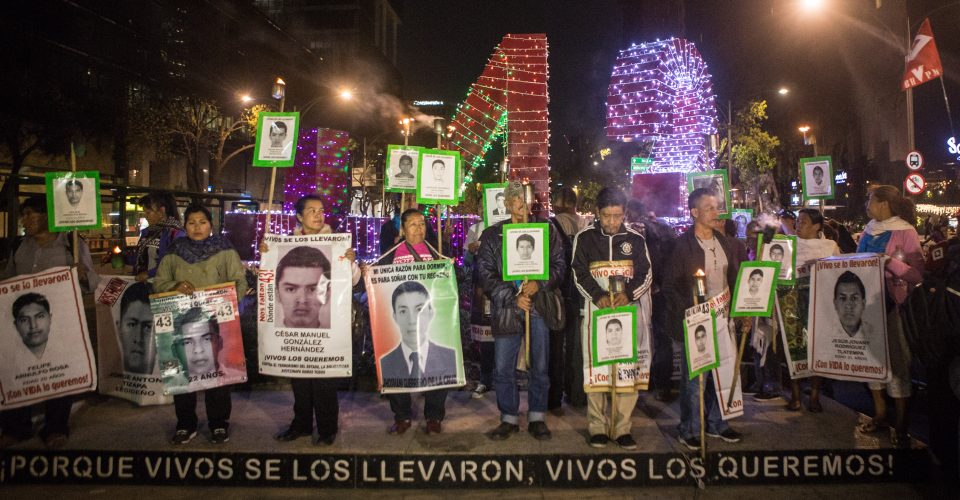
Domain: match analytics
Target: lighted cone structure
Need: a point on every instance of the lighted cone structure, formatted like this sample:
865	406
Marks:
321	167
661	92
510	97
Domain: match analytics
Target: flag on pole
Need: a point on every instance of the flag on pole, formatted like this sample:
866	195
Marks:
923	60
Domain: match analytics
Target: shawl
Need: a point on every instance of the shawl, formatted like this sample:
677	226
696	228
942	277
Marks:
197	251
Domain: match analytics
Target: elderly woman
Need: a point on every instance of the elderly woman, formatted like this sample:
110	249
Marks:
197	261
891	232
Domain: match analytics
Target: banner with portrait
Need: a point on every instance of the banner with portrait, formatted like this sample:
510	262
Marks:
613	335
716	180
848	319
526	251
276	142
439	177
402	162
415	322
199	343
45	351
729	396
792	307
743	217
305	296
73	200
753	294
782	249
700	339
126	350
817	178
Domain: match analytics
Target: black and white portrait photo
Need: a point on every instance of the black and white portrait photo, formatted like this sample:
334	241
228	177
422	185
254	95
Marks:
402	168
753	293
74	200
781	250
303	287
817	178
276	139
615	339
494	206
438	177
525	252
700	340
715	180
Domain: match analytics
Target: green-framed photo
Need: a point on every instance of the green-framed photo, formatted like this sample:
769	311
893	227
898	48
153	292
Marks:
716	180
438	176
754	292
700	340
402	164
816	174
526	251
782	249
494	205
276	143
613	334
743	217
73	200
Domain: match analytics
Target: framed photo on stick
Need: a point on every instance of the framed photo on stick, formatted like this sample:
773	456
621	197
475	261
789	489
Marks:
526	250
402	164
276	144
782	249
743	217
700	340
716	180
494	205
73	200
754	292
438	176
614	335
817	176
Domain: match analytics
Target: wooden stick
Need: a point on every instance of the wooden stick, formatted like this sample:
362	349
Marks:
527	338
75	235
273	183
439	232
613	384
703	429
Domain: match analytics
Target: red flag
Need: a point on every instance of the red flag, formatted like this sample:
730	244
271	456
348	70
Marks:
923	60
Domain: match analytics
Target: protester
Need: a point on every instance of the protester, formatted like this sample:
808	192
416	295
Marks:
38	250
565	350
413	247
195	261
313	397
510	300
604	252
479	311
811	245
164	226
891	232
700	248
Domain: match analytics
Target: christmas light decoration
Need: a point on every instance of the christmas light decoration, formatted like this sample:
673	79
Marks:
509	99
322	166
661	92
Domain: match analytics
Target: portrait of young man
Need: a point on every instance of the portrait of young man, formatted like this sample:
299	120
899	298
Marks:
32	320
199	343
416	357
278	134
303	288
135	330
405	164
849	301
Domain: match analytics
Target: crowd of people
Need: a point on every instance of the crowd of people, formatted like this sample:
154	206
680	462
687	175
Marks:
625	256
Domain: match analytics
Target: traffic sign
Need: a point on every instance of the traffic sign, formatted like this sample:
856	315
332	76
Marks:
640	165
915	184
914	160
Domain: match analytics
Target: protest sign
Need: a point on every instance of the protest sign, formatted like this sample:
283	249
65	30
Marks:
51	355
494	204
753	293
415	322
782	249
73	200
526	251
126	350
401	168
817	178
847	323
277	136
742	216
792	307
438	177
727	352
613	335
302	280
718	182
631	375
199	343
700	339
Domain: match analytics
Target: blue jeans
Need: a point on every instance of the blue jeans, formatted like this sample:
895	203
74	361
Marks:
690	405
505	373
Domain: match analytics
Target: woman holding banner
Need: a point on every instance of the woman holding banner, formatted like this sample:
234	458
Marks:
314	396
811	245
891	232
199	260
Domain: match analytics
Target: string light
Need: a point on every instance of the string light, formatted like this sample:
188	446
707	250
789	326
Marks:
322	166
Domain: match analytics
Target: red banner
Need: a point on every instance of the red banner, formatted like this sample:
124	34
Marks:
923	60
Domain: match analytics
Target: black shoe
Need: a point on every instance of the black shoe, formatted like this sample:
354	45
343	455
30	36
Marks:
183	436
539	431
599	440
765	396
326	440
290	434
729	435
626	442
692	443
219	436
503	431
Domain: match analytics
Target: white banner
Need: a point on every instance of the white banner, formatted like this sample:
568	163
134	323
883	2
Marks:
727	347
126	350
305	297
50	356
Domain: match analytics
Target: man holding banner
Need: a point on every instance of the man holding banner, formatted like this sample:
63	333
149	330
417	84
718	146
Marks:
700	249
37	251
603	254
509	301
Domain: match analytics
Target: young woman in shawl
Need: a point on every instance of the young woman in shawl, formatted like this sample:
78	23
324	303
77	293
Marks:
160	210
198	260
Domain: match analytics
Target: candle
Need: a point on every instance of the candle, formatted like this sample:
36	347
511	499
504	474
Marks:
701	278
116	260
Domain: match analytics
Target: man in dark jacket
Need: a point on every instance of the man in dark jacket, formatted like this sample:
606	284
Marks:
509	301
700	248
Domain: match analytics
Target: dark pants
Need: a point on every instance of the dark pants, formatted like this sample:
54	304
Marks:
487	363
218	405
434	405
315	397
555	369
17	422
573	375
661	365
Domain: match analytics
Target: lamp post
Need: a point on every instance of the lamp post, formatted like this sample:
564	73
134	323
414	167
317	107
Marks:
806	140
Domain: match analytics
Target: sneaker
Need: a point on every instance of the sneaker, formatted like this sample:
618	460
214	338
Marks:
183	436
219	436
599	440
539	431
55	441
503	431
765	396
325	439
626	442
479	391
729	435
692	443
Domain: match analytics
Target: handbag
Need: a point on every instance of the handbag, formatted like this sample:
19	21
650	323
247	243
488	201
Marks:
549	303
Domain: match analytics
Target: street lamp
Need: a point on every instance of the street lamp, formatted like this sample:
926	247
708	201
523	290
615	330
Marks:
343	95
806	141
811	5
783	91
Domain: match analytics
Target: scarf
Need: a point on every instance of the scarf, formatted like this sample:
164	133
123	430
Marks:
151	239
877	227
197	251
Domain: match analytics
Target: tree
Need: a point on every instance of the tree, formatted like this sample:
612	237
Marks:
754	149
